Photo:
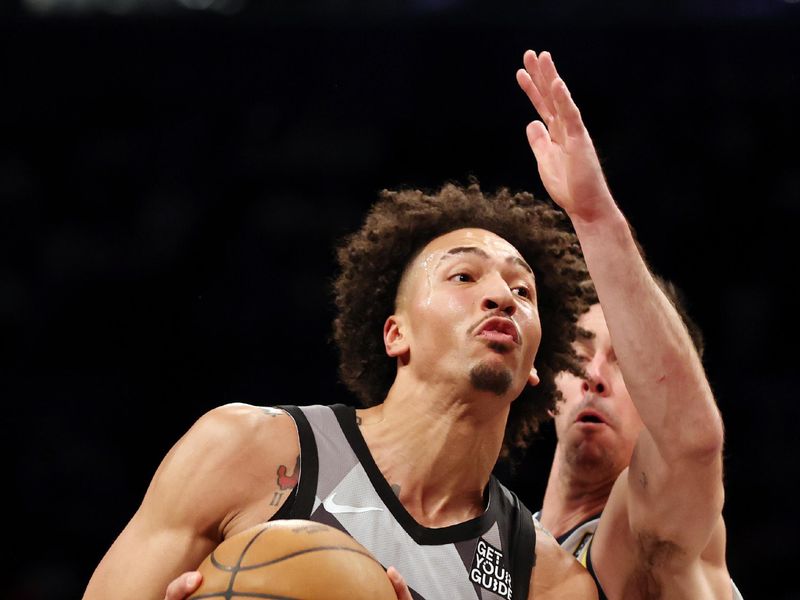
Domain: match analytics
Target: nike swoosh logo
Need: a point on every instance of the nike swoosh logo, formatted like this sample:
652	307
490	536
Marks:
334	508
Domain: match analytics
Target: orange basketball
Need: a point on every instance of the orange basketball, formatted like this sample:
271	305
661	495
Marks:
293	559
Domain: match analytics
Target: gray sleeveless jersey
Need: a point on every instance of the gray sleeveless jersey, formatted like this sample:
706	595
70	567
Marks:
487	558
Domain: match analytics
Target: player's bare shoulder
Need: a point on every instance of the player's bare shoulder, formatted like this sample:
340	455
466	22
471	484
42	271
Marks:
228	466
246	426
243	436
218	479
557	575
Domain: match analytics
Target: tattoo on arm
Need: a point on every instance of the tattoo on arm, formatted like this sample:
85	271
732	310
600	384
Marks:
643	480
285	481
271	412
396	489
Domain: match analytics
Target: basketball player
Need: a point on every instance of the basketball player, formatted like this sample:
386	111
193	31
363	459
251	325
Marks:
639	453
410	478
599	429
464	287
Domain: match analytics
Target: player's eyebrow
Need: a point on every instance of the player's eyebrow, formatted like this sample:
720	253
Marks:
474	250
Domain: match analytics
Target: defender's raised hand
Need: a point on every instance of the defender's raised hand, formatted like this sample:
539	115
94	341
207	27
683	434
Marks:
567	161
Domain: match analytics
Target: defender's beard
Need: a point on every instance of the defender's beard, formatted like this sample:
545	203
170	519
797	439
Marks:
490	379
589	456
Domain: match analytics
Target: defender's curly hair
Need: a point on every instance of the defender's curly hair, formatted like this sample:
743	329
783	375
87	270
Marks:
398	226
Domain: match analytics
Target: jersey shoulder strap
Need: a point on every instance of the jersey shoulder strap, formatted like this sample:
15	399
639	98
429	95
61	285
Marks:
522	539
300	505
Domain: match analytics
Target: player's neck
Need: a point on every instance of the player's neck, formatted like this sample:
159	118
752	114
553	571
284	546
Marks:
438	455
573	495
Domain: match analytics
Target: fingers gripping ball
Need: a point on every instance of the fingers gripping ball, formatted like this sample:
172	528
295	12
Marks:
292	560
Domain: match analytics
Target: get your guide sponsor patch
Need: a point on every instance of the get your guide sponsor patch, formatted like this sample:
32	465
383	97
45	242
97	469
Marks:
489	570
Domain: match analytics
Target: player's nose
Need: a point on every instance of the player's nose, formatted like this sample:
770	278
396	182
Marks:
597	380
497	296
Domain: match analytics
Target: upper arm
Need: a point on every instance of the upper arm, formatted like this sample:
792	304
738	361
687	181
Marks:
557	575
676	502
677	498
665	506
218	479
660	522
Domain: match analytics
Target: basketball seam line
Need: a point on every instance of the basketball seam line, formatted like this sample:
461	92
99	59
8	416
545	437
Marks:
238	567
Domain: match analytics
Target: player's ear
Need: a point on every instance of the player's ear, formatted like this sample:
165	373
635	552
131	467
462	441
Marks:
394	336
533	377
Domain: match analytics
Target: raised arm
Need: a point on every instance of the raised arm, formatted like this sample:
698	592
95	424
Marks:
218	479
672	494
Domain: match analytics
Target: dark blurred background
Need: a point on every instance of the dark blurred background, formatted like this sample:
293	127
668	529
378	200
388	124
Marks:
174	176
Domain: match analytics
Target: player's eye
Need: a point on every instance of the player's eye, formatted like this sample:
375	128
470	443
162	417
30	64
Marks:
462	277
523	291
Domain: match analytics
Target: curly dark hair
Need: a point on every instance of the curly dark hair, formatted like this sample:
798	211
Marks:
398	226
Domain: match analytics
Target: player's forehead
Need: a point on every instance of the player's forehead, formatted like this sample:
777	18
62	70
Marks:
461	241
592	325
469	244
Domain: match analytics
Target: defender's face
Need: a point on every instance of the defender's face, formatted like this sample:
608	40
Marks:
597	424
468	305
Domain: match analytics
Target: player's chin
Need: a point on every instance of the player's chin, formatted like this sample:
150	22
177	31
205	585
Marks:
591	454
492	376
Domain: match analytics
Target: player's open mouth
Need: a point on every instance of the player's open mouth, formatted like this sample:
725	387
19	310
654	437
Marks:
590	417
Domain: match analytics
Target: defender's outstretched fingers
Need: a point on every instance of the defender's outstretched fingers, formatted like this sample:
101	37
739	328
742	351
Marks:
531	62
538	138
526	83
548	68
570	115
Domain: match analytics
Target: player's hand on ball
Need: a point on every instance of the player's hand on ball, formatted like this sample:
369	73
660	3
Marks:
398	583
181	587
